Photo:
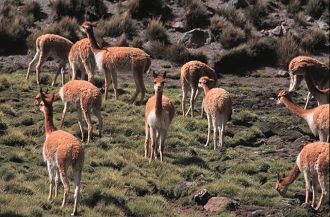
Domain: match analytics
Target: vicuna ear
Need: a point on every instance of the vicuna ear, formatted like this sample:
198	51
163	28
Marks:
164	75
154	74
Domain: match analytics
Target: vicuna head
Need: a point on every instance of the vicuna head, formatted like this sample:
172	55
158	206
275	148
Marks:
159	81
44	101
204	80
280	187
87	26
284	94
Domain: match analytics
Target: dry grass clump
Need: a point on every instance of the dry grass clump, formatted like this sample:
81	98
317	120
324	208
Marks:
4	83
225	32
147	8
117	25
156	31
314	40
257	12
196	14
255	53
32	11
81	9
315	8
67	27
287	48
235	16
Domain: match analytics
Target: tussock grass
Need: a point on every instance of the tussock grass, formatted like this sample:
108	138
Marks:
196	14
156	31
314	41
117	25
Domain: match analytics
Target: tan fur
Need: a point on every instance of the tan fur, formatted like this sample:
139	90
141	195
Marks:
319	73
112	60
60	150
87	98
191	72
313	162
50	45
218	108
81	58
158	117
317	118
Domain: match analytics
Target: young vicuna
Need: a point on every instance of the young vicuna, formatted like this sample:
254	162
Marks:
54	46
218	109
317	118
158	116
81	58
191	72
60	150
119	59
313	162
319	73
87	98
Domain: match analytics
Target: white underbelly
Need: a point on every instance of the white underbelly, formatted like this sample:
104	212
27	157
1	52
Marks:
161	122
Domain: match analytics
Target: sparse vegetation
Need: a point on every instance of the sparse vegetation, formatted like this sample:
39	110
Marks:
145	8
117	25
196	14
156	31
314	40
315	8
287	49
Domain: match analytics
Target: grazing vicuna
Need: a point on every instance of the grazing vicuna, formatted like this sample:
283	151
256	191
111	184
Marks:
322	96
60	150
87	98
319	73
54	46
313	162
316	118
158	116
119	59
218	109
191	72
82	58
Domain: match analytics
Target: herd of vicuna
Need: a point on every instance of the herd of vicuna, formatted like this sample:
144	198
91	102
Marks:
61	149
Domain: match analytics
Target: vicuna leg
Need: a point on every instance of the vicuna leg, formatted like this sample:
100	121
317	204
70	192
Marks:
184	96
74	71
314	191
215	123
80	122
63	75
77	178
114	83
66	185
57	73
307	187
63	113
88	71
33	61
97	113
146	141
141	87
307	99
221	132
88	119
41	61
153	143
191	106
162	136
322	178
50	175
137	87
106	84
56	181
209	122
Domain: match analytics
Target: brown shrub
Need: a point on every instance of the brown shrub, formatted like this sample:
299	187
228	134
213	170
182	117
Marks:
196	15
117	25
287	49
156	31
314	40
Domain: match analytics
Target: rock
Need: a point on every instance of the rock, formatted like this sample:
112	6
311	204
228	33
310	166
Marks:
216	204
309	19
302	141
291	135
277	31
238	3
202	197
322	25
179	26
196	38
282	73
258	212
276	140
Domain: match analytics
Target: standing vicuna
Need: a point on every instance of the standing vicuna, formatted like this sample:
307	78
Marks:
119	59
82	58
313	162
191	72
317	118
158	116
87	98
319	73
322	96
218	109
54	46
60	150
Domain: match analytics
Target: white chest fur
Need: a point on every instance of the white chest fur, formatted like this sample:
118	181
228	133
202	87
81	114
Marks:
161	121
310	122
99	60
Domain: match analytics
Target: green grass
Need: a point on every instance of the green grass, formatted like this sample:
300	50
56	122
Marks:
117	180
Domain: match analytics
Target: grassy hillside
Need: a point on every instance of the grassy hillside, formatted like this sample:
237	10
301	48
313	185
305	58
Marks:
118	181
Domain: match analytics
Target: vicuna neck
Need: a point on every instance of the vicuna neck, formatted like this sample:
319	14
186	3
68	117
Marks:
94	46
312	88
49	124
206	89
159	108
293	107
289	179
